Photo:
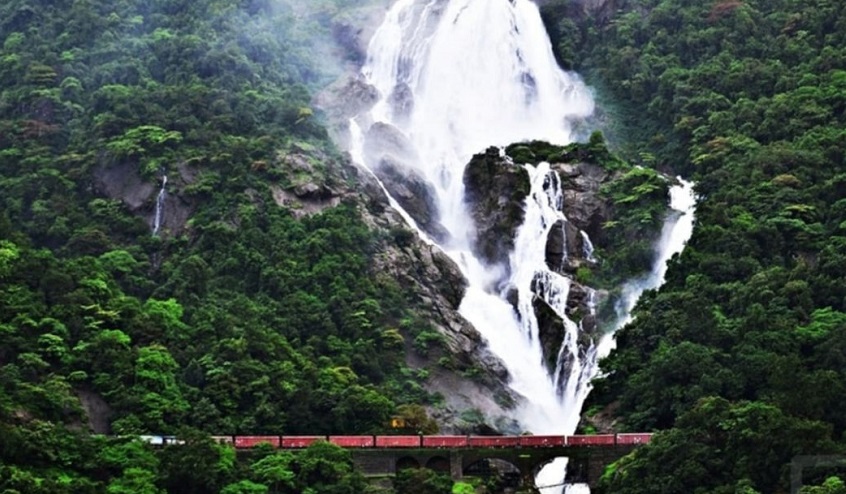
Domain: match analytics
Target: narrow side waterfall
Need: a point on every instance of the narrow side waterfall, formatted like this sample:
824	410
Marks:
674	235
458	76
160	203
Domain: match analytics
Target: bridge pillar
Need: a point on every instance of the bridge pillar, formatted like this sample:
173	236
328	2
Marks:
588	466
456	468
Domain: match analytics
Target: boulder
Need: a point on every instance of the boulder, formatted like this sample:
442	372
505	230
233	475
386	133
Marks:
584	205
414	193
383	141
495	192
347	97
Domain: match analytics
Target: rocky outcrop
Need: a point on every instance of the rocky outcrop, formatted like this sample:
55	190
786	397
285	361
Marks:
495	191
347	97
389	154
97	411
584	205
383	141
415	194
566	248
122	181
463	370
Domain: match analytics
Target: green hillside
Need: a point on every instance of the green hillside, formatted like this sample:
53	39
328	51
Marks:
240	316
740	356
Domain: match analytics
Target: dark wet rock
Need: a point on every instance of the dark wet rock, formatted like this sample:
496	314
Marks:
495	191
551	334
414	193
584	205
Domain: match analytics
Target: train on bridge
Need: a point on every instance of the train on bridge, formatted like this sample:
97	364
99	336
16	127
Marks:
425	442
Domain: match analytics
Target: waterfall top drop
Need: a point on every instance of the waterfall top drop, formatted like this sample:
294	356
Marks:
458	76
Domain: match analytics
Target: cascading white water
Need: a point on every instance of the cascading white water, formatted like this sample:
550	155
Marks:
160	203
455	77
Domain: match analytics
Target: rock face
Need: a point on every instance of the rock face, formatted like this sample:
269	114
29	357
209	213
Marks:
584	206
389	154
123	182
495	191
347	97
438	288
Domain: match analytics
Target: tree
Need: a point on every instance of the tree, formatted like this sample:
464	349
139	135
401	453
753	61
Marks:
422	481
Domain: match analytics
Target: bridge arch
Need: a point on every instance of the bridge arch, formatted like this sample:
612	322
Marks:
440	464
406	462
508	473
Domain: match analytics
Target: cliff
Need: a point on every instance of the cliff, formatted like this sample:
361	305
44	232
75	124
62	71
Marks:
589	247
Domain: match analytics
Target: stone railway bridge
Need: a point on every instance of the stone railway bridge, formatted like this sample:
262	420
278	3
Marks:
517	459
587	463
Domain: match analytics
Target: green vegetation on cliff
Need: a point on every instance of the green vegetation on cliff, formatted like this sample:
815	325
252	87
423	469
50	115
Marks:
739	357
635	206
242	316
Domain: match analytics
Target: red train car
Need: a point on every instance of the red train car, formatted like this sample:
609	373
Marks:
397	441
594	440
294	442
634	438
542	441
444	441
352	441
252	441
493	441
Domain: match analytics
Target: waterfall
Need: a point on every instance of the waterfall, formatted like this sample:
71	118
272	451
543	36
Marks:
675	233
455	77
160	203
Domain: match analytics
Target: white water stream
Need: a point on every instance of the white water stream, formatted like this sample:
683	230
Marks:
457	76
160	203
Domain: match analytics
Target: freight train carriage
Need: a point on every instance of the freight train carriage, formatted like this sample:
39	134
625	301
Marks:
445	442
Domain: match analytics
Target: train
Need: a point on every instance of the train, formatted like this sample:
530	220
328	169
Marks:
420	441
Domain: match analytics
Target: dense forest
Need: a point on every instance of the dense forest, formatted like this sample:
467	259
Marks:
740	359
247	318
254	318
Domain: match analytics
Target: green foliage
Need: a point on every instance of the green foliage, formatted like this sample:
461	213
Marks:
718	445
247	320
831	485
423	481
463	488
746	99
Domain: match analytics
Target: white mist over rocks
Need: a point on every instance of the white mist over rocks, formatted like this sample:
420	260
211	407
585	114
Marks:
455	77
